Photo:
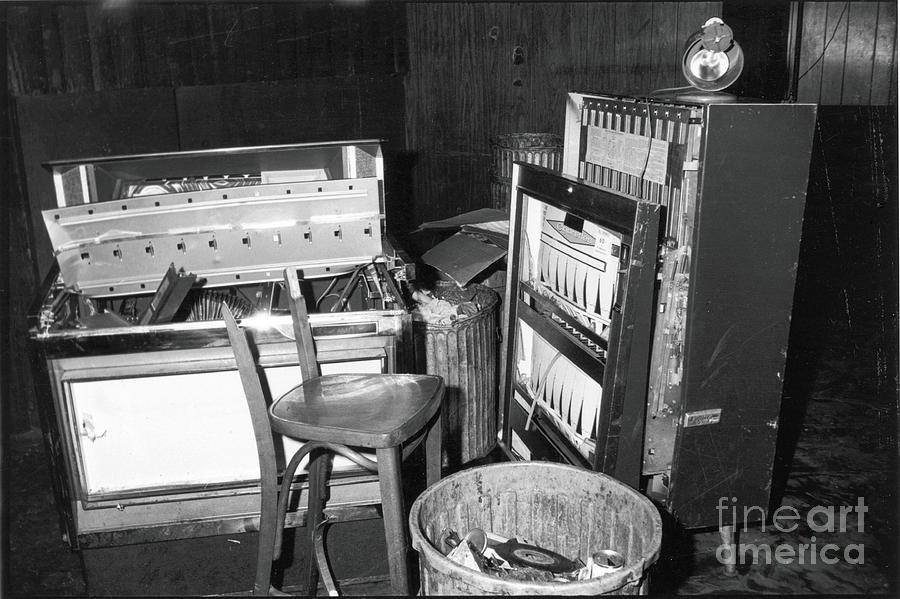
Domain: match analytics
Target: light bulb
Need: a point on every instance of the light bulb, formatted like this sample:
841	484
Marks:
707	65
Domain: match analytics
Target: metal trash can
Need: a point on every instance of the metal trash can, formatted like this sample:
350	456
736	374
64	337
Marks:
464	353
568	510
544	149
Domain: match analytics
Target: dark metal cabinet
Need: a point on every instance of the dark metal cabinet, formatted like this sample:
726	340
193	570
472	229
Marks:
731	181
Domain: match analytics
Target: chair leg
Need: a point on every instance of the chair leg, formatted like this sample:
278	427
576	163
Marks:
394	520
433	452
266	538
314	515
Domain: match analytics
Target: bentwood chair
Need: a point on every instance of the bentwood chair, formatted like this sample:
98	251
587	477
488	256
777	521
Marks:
335	414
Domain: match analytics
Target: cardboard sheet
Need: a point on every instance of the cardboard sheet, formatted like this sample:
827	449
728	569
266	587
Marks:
482	215
463	257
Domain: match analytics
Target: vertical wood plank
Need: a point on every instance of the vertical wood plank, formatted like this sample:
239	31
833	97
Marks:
26	72
340	30
862	22
316	41
593	54
280	29
497	35
52	51
812	46
102	60
633	51
198	50
124	48
514	86
153	37
286	14
835	53
893	88
77	56
883	65
551	71
224	34
665	50
180	36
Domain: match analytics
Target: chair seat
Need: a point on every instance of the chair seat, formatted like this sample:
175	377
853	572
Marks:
360	410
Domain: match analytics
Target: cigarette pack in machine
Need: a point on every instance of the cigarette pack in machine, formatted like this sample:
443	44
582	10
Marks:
729	178
140	395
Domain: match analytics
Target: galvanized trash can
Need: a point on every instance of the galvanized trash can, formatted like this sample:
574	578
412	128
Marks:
464	353
571	511
544	149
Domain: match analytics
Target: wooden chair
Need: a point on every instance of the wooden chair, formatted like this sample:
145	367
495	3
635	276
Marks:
334	414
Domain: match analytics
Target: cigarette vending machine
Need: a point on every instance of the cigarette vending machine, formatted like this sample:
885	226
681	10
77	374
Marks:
657	355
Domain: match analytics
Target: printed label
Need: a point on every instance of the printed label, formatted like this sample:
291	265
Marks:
702	417
632	154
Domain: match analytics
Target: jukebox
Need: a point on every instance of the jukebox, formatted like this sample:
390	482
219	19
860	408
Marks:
649	296
141	402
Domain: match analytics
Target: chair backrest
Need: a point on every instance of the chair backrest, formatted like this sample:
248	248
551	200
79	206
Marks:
306	350
253	391
265	449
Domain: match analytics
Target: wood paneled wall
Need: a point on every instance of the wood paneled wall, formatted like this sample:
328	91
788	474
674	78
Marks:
465	84
848	53
55	48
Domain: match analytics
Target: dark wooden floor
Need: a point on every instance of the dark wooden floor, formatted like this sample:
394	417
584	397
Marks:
846	450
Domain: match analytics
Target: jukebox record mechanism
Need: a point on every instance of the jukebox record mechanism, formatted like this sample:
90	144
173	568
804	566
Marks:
169	296
186	184
206	304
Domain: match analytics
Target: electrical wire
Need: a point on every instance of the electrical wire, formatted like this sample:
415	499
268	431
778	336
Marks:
327	290
671	89
828	43
540	390
650	145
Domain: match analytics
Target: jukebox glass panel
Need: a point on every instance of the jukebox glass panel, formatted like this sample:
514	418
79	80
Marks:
176	430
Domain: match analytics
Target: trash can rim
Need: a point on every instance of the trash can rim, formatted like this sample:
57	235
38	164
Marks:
614	580
459	323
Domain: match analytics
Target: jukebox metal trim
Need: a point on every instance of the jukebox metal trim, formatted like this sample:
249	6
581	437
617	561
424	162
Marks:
231	217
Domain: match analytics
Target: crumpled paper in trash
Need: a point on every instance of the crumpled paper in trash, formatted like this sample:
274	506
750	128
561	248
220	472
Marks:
433	310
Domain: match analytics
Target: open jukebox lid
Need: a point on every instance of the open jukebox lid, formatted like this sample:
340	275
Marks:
229	216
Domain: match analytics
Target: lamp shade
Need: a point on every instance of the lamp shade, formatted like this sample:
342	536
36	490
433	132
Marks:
712	60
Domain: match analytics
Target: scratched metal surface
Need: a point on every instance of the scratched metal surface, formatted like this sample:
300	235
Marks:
744	263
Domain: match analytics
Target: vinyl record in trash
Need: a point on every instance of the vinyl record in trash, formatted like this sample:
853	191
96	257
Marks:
520	554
